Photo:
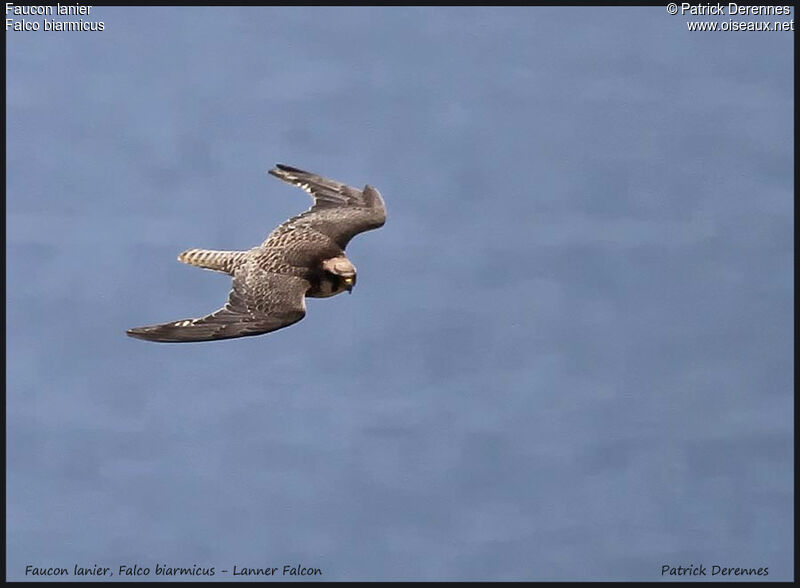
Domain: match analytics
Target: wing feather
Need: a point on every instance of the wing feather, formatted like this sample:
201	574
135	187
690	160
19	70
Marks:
339	211
259	302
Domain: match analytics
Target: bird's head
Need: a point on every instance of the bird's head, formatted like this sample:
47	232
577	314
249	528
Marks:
343	270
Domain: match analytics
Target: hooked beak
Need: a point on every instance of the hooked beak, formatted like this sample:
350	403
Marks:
348	284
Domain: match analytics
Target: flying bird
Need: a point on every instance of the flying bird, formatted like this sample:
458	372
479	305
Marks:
302	257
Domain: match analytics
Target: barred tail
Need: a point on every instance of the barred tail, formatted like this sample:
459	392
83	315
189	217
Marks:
220	261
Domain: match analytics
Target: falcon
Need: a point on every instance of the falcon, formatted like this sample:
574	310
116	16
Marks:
302	257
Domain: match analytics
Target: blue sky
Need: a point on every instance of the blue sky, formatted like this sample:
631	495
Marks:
569	352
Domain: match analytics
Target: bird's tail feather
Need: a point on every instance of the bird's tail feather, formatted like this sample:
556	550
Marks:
220	261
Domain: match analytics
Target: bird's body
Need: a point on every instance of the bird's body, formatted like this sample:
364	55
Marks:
303	256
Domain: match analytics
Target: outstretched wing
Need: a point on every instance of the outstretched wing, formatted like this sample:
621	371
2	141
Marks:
259	302
339	211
